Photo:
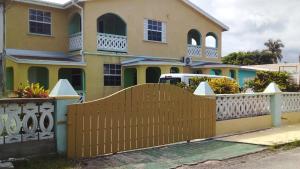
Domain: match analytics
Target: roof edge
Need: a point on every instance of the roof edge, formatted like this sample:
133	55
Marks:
201	11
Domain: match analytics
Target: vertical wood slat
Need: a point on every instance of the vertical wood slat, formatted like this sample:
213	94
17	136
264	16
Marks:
94	130
139	117
79	132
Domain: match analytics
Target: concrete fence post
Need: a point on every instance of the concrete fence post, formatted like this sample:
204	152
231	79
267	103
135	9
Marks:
204	90
64	95
276	103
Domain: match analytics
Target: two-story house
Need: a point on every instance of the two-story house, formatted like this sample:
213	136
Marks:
102	46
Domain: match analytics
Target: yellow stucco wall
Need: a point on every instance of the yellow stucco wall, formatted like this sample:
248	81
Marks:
290	118
21	72
17	27
95	75
243	125
179	17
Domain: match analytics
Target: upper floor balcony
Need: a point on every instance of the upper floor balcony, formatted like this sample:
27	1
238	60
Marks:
112	37
194	46
111	34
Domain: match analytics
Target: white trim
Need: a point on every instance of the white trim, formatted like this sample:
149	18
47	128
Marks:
215	66
20	52
163	30
142	63
49	23
48	62
201	11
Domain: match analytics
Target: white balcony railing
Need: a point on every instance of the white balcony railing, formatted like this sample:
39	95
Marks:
194	50
110	42
211	52
75	42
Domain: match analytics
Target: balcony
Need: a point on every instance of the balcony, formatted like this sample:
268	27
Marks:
211	52
112	43
75	42
194	50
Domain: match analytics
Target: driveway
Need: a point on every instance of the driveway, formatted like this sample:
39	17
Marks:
173	156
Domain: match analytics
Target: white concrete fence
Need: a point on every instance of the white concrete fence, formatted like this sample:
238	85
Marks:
235	106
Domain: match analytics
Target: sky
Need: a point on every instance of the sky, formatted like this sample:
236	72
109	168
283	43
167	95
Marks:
253	22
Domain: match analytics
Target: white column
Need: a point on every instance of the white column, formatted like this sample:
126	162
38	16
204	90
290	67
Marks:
276	103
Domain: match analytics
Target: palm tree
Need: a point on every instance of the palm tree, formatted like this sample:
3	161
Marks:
275	47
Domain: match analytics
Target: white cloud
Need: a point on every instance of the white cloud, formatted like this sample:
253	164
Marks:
252	22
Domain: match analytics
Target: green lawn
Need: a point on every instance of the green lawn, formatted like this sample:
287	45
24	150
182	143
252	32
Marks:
50	162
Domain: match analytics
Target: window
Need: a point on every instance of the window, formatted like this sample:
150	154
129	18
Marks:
233	74
155	31
39	22
112	75
174	70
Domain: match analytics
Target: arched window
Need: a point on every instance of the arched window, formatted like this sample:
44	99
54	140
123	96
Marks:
153	74
194	37
211	40
39	75
111	24
75	24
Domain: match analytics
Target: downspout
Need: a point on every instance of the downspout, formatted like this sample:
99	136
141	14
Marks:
3	54
82	30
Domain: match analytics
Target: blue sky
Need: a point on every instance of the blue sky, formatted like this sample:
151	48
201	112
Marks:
252	22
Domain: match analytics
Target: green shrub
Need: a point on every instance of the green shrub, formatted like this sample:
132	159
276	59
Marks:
219	86
264	78
33	90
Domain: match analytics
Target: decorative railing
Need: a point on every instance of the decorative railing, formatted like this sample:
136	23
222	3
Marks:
194	50
242	106
290	102
24	120
211	52
75	42
82	96
112	43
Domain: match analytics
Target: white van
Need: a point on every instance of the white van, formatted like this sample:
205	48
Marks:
185	78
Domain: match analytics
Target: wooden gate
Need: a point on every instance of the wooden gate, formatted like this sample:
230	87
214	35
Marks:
139	117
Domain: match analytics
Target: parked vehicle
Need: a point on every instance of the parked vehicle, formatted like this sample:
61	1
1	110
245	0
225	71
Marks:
185	78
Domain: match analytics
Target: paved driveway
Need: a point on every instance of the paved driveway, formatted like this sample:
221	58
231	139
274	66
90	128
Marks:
173	156
274	136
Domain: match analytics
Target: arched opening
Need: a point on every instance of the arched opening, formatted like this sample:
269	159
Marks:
112	33
211	40
111	24
174	70
130	77
75	24
39	75
153	74
194	37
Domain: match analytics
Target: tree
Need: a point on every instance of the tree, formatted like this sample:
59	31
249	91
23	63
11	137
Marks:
249	58
275	48
264	78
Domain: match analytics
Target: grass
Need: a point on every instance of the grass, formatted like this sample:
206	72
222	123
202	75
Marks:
287	146
49	162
